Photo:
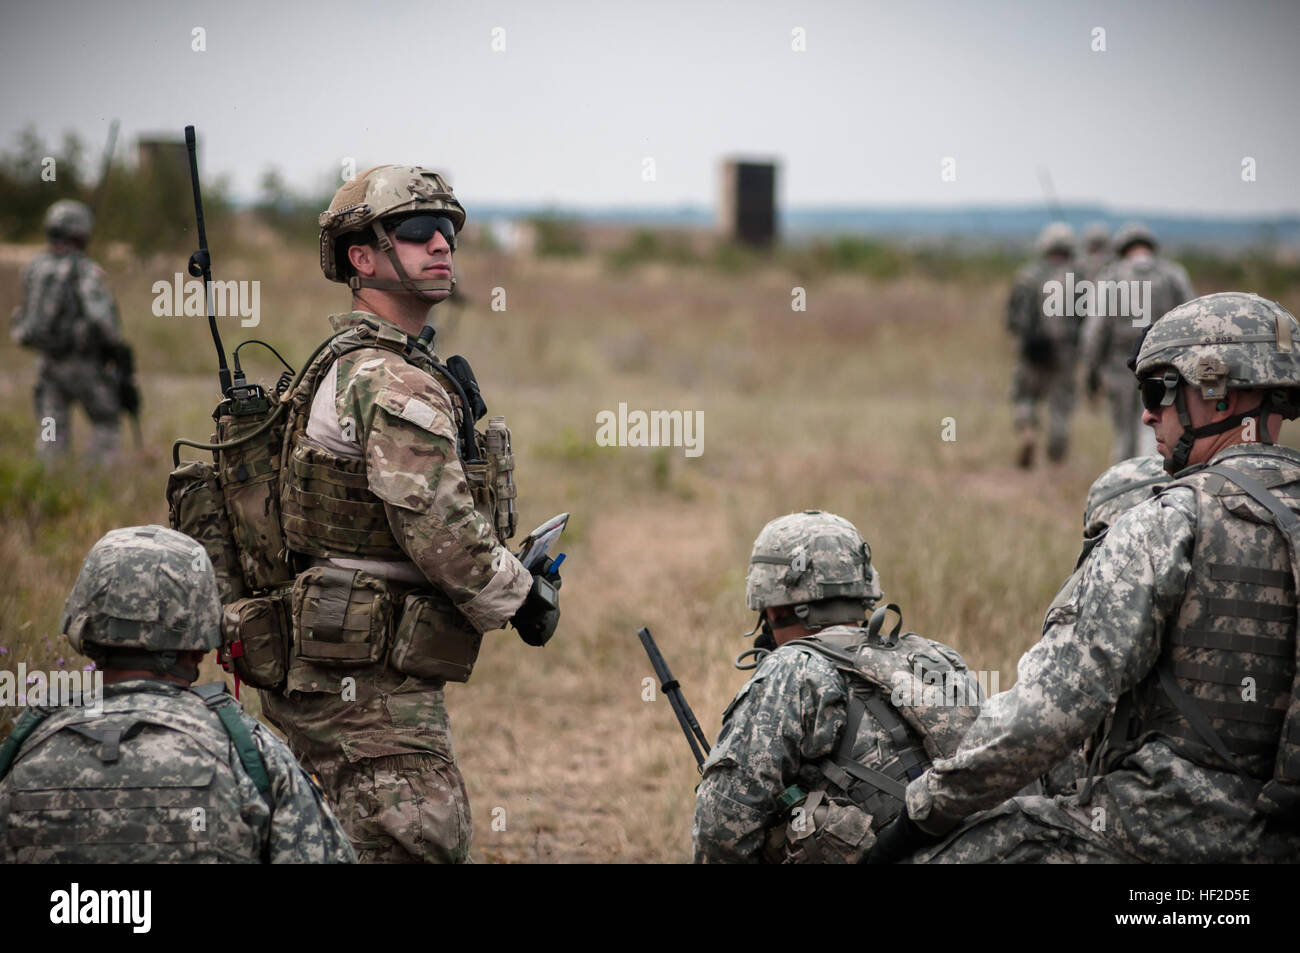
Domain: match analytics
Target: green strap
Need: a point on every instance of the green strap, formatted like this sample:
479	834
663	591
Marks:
219	700
29	722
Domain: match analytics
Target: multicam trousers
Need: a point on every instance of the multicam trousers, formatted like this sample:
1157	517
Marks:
386	763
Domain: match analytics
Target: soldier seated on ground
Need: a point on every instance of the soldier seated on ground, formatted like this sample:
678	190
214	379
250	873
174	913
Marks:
159	772
816	749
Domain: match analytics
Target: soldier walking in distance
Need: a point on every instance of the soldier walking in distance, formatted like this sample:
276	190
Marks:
1046	348
394	512
68	316
1096	250
816	749
1109	340
156	771
1177	645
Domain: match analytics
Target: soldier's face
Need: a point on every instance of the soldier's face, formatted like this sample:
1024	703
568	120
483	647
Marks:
422	260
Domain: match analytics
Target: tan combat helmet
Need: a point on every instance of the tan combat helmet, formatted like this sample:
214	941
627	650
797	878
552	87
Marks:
362	204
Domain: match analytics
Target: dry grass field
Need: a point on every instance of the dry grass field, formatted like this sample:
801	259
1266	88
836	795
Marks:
839	407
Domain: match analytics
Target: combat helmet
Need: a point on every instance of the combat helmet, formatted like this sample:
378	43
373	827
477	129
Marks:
70	220
1132	234
359	209
1124	485
816	564
144	594
1056	237
1220	342
1096	235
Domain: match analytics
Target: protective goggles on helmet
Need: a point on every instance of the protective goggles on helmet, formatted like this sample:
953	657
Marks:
420	228
1159	391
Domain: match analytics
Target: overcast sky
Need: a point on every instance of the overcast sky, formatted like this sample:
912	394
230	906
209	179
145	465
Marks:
583	93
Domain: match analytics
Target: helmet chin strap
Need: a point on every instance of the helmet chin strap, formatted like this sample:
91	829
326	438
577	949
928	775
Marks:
1177	461
402	282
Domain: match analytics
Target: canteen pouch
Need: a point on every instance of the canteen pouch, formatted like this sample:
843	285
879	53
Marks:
196	508
255	640
434	640
341	617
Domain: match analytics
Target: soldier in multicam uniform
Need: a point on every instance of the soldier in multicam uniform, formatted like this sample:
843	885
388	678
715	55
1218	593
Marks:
159	772
1178	641
1047	348
1109	340
68	315
816	748
399	574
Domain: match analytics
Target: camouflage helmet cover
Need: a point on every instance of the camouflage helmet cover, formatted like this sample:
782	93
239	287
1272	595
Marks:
807	557
1133	233
144	587
1055	237
68	218
1124	485
1226	341
1096	235
377	193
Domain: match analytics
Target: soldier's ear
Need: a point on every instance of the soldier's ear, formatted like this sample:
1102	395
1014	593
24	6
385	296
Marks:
362	258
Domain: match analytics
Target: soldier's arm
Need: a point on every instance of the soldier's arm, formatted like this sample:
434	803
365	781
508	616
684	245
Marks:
97	303
408	435
1092	651
303	828
1017	301
790	713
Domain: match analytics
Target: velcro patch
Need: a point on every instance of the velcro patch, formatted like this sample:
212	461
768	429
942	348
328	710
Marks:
419	413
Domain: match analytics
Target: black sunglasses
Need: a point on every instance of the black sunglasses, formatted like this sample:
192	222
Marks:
1159	391
421	228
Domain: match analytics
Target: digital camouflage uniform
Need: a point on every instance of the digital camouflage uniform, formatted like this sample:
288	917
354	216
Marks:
779	786
1047	347
1109	340
1194	588
1122	486
154	774
1096	254
386	757
69	317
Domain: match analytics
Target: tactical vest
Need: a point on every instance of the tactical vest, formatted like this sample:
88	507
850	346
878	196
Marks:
920	693
1224	693
275	493
147	785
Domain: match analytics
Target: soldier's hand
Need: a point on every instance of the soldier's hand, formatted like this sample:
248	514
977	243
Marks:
540	614
898	839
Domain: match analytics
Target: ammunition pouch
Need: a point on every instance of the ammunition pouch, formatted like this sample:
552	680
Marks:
255	638
434	640
820	829
197	508
491	478
342	618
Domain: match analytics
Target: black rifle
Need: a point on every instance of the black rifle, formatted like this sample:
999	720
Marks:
200	265
670	687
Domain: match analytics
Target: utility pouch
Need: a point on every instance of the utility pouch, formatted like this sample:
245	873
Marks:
341	617
255	640
501	465
197	509
249	476
434	640
821	830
